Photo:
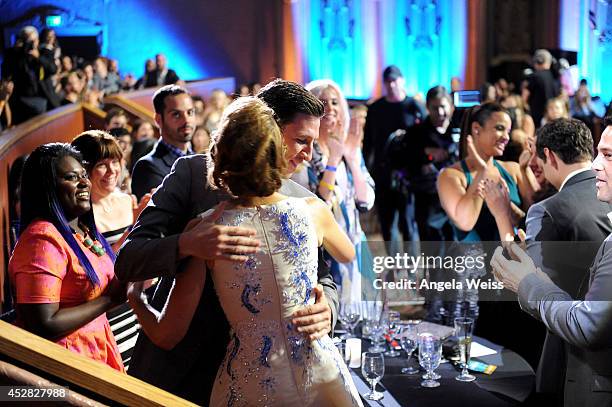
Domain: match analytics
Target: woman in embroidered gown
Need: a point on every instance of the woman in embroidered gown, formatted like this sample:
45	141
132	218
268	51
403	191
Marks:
268	362
338	175
62	268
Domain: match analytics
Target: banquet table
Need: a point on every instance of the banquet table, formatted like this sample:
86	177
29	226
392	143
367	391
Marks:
510	384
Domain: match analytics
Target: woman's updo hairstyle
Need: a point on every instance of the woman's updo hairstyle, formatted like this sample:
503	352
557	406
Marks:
249	159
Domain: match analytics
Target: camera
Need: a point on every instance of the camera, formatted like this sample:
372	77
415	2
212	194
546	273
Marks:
28	46
466	98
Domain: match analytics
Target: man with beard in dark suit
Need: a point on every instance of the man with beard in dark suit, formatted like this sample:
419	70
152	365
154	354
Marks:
175	116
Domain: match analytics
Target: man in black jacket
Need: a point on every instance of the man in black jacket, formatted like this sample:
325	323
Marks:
175	116
396	110
161	240
542	85
30	70
161	75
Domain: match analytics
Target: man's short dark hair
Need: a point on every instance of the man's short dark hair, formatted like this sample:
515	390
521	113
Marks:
570	139
288	99
159	97
114	112
607	121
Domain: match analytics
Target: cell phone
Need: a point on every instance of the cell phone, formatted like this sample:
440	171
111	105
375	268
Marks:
466	98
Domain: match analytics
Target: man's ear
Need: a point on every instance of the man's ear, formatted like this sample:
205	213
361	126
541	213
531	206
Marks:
551	158
158	120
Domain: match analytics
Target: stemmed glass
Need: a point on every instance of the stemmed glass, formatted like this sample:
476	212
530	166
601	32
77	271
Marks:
393	320
349	316
463	330
377	332
408	340
344	351
430	353
373	369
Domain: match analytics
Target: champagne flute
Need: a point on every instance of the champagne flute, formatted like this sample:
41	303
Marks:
463	330
344	351
349	316
430	353
409	343
373	369
393	319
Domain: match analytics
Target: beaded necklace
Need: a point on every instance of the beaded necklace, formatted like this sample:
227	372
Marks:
89	241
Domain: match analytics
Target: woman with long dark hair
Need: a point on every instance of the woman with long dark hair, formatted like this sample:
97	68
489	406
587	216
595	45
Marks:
62	268
479	185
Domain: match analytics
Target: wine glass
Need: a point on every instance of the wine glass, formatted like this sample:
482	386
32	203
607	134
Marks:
430	353
408	340
349	316
393	321
377	332
433	375
463	330
373	369
344	351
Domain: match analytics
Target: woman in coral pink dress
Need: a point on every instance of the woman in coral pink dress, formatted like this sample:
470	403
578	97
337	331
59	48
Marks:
62	269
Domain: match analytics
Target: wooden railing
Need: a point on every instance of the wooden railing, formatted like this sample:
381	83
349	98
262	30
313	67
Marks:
61	365
134	111
204	88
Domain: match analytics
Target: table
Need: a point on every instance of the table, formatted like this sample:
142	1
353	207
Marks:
510	384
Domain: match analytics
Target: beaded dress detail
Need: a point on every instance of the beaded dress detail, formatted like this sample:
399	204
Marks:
267	361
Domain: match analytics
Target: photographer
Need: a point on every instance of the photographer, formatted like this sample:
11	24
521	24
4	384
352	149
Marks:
31	72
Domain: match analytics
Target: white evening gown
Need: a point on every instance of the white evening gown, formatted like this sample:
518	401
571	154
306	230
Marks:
268	363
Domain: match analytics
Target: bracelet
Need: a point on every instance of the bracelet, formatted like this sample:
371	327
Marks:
328	186
330	168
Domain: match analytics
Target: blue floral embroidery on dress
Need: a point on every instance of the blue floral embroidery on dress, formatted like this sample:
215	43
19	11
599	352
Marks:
251	263
292	243
265	350
233	397
268	384
233	354
248	289
303	282
295	240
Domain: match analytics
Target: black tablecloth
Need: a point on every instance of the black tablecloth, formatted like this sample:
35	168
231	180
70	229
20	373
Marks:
510	384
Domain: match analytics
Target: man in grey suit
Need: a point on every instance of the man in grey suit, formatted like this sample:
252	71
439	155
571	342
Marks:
584	325
165	235
555	225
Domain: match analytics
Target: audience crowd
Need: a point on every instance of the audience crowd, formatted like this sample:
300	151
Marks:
432	172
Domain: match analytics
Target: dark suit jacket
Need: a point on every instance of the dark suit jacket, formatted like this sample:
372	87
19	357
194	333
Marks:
542	87
584	326
150	170
564	233
152	79
151	250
